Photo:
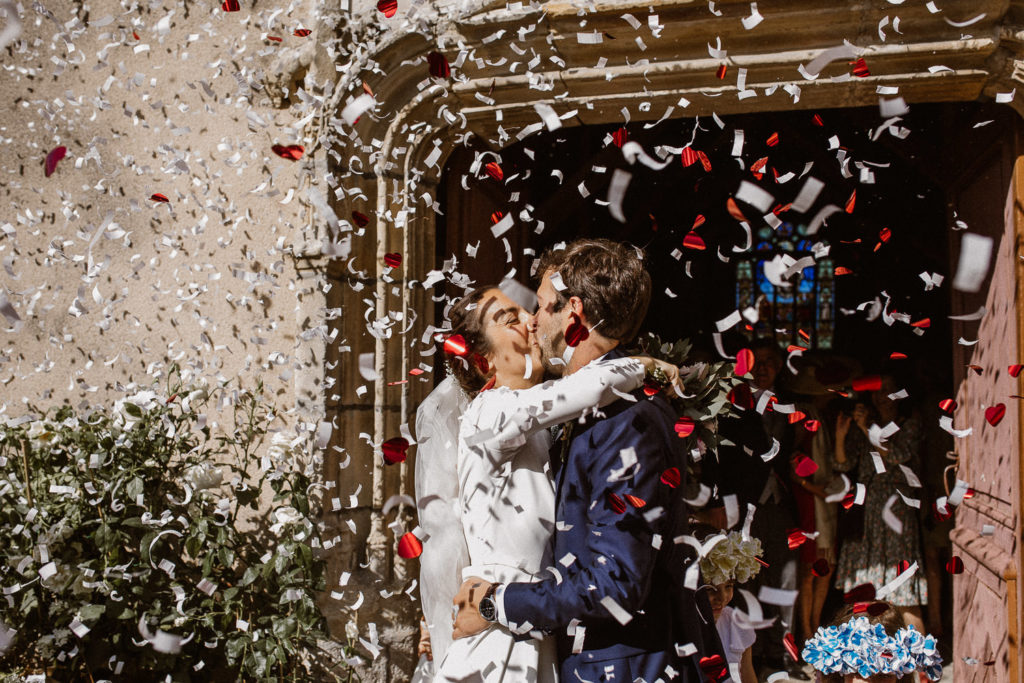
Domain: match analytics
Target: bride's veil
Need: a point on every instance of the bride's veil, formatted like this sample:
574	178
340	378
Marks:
437	501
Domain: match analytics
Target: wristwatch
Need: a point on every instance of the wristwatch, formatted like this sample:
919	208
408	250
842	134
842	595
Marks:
488	610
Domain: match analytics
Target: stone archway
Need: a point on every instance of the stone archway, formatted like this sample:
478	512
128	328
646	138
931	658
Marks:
575	66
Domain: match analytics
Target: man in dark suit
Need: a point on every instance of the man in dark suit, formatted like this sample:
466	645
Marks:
617	600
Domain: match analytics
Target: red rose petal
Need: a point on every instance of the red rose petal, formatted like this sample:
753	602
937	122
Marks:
869	383
55	155
865	592
409	546
684	426
616	503
821	567
157	197
388	7
360	219
230	6
671	477
393	259
395	450
995	414
620	137
293	152
494	170
744	362
576	333
301	32
455	345
955	565
804	466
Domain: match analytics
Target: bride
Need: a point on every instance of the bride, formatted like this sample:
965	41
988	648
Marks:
505	483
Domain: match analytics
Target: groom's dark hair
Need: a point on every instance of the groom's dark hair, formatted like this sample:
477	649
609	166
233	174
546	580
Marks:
609	277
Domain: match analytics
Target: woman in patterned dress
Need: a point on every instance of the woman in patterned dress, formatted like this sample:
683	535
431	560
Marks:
875	557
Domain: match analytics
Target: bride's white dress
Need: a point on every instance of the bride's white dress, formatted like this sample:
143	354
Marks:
507	499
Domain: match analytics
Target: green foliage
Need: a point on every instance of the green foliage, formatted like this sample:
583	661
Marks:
142	541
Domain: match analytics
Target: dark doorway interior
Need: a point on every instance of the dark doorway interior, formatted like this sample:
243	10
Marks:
894	224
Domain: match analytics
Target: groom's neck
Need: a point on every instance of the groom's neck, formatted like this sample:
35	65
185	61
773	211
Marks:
589	350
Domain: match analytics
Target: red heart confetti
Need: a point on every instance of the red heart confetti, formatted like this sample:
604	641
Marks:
812	425
821	567
671	477
744	362
616	503
714	667
157	197
796	538
455	345
395	450
955	565
438	64
494	170
796	416
360	219
924	323
694	241
741	396
721	71
230	6
849	500
698	221
773	139
684	426
576	333
301	32
842	270
689	156
481	363
651	388
393	259
896	355
942	514
804	466
704	161
790	644
995	414
1014	370
293	152
947	405
902	566
388	7
869	383
276	39
620	137
884	234
55	155
860	68
865	592
409	546
734	210
635	501
851	202
817	120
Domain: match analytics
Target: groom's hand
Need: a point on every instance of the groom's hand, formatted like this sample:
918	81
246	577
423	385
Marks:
468	621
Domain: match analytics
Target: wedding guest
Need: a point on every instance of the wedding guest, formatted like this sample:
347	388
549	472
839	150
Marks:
732	561
890	533
870	643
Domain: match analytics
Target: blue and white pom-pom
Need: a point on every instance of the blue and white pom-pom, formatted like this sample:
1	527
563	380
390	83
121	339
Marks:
865	649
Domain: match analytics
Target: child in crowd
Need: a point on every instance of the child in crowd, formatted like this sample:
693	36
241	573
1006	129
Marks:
730	561
871	643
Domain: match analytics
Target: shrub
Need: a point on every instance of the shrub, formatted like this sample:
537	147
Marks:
143	541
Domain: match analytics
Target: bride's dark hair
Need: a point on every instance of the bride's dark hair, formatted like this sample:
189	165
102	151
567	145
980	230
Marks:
470	369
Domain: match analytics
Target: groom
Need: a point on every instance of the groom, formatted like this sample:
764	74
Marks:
615	599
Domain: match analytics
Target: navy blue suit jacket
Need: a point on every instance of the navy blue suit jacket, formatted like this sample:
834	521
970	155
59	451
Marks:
605	548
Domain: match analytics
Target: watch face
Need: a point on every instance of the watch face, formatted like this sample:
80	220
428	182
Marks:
487	609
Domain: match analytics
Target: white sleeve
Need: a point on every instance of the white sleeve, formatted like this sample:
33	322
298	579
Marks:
437	491
503	425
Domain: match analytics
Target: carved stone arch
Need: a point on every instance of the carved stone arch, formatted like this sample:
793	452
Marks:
416	122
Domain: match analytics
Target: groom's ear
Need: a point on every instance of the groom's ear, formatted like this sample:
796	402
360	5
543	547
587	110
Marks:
575	307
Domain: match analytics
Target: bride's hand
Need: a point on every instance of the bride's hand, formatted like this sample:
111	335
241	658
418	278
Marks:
674	385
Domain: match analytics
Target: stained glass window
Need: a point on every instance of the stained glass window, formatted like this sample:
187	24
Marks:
800	309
